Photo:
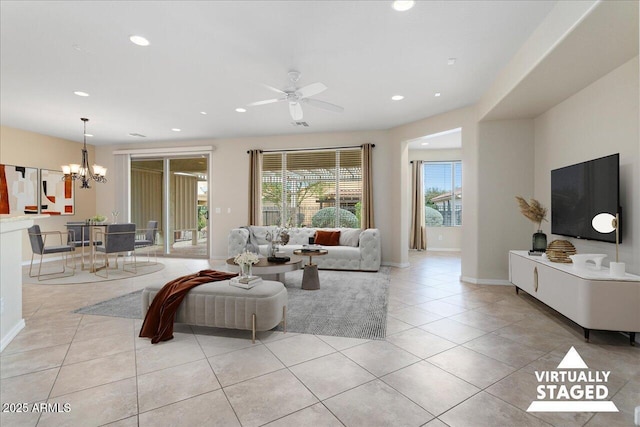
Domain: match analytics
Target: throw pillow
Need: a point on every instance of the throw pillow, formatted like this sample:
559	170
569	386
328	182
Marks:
350	237
327	238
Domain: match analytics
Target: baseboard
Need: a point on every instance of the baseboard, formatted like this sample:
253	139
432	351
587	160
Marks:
477	281
396	264
444	250
11	334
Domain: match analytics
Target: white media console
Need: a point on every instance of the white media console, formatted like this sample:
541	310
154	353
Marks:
589	297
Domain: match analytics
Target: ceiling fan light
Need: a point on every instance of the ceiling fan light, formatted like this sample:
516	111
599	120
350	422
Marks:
139	40
403	5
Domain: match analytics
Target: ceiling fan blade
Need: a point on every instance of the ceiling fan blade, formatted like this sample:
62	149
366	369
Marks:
310	90
281	92
266	101
296	111
324	105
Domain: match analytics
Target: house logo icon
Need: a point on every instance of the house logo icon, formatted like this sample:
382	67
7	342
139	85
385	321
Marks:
572	387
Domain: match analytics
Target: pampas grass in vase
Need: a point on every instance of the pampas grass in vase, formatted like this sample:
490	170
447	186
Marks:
536	213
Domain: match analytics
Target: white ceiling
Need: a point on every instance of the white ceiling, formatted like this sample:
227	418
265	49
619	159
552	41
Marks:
446	140
212	56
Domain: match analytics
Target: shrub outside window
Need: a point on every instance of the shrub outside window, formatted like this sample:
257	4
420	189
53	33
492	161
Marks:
443	193
320	188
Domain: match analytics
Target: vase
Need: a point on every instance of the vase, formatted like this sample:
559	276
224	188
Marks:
246	270
539	241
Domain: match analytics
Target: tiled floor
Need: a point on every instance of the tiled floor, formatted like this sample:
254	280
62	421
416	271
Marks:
456	354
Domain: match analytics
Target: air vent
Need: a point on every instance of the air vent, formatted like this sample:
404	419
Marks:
304	124
138	135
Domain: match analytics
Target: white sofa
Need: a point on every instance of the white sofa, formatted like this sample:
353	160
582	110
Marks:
358	250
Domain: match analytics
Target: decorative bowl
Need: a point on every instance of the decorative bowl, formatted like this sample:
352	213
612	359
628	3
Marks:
580	260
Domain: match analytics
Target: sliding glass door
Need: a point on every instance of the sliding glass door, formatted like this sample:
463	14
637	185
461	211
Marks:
173	191
188	209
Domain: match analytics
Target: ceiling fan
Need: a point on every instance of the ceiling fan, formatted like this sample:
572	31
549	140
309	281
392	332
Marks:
296	96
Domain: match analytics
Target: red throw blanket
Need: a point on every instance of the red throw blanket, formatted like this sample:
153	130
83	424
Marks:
158	323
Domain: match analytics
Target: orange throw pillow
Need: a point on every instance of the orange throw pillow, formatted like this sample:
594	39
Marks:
327	238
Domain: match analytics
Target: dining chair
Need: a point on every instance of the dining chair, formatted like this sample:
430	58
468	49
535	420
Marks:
79	237
116	238
38	240
146	238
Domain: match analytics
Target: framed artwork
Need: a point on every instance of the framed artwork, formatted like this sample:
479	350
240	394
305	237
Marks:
18	190
56	194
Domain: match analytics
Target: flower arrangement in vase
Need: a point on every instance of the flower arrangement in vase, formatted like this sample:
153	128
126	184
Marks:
246	260
97	219
280	236
536	213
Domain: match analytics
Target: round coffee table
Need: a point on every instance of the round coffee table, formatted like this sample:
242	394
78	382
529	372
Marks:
310	279
264	267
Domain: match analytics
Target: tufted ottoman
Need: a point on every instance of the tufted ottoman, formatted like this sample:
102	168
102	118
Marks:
220	305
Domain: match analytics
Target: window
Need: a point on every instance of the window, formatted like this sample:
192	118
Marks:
443	193
307	188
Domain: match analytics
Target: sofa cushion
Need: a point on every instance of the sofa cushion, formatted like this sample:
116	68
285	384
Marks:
327	238
300	236
341	252
260	233
350	237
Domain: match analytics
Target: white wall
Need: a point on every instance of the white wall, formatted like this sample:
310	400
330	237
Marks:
558	23
24	148
465	118
440	238
599	120
230	179
506	159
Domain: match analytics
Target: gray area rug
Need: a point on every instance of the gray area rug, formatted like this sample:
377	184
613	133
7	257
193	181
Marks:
129	306
348	304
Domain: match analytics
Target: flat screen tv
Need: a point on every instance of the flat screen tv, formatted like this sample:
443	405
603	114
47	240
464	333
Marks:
581	191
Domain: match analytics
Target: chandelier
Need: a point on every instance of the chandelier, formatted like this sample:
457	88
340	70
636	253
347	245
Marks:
81	171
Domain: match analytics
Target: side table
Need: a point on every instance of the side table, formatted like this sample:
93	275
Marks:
310	279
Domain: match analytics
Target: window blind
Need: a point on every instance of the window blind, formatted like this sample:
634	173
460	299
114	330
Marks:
320	188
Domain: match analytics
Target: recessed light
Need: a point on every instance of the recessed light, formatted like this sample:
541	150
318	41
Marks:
176	129
437	94
241	110
88	134
139	40
80	93
425	143
403	5
397	97
451	61
204	113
